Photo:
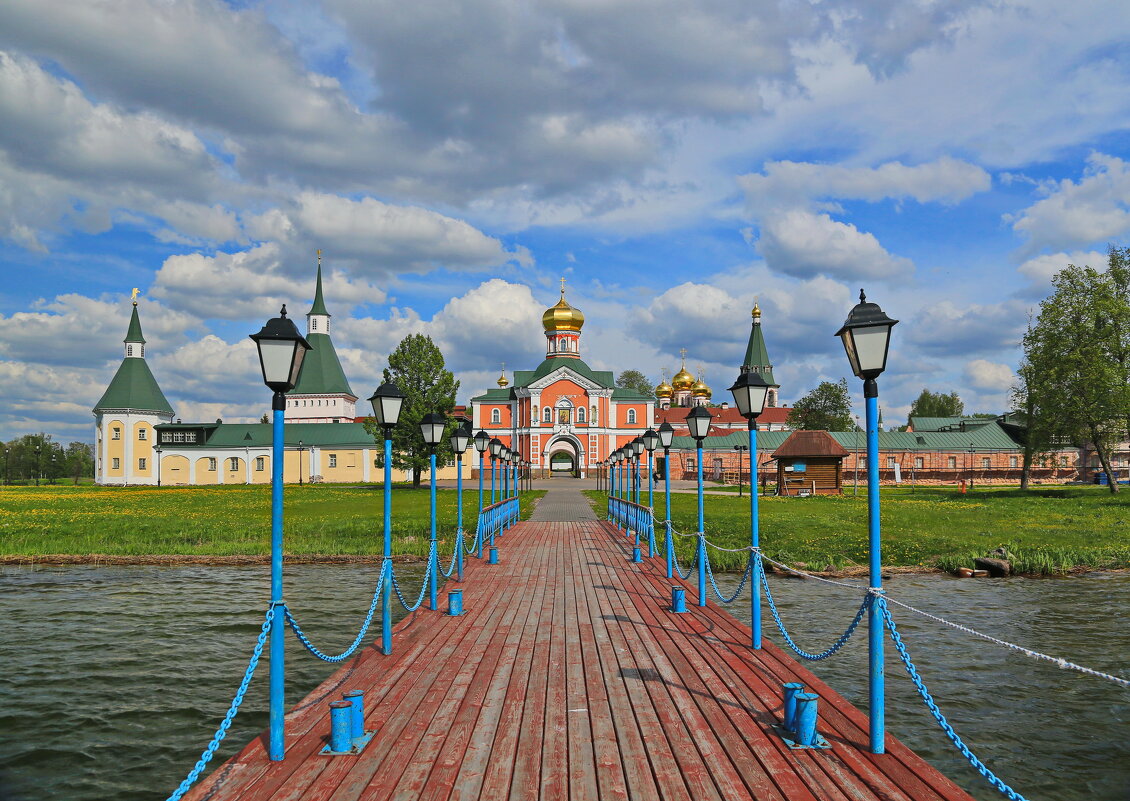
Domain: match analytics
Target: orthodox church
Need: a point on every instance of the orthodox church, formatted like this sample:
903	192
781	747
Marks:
563	416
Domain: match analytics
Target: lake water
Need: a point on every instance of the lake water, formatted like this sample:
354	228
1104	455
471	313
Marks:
114	678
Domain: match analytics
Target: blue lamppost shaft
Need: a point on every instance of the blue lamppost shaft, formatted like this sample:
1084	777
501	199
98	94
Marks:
668	545
432	555
277	701
754	534
459	514
701	539
492	474
874	617
650	482
386	600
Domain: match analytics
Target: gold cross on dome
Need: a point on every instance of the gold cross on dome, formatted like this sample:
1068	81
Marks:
562	286
683	352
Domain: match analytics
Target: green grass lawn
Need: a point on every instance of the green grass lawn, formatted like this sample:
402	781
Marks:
319	519
1046	531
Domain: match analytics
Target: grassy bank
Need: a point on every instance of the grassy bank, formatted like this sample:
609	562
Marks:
1045	531
224	521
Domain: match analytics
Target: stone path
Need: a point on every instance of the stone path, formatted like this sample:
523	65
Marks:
563	503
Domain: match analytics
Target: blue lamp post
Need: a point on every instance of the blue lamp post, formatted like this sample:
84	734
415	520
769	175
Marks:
460	440
698	421
387	402
637	452
281	352
666	435
482	442
650	443
431	427
867	336
750	392
495	448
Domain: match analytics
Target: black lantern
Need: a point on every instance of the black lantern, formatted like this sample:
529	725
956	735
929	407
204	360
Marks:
460	439
431	427
637	446
866	335
650	440
750	391
281	351
495	447
666	434
482	440
387	402
698	421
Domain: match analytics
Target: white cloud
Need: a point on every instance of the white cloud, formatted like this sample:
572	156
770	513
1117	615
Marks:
1041	269
945	328
989	376
804	243
1094	209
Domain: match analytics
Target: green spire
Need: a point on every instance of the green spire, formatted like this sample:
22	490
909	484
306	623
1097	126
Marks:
319	306
134	388
756	354
134	332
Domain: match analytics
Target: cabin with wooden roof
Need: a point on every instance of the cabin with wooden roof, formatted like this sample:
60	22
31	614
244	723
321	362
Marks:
810	463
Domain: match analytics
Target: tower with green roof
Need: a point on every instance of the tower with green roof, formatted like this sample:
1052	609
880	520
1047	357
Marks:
126	416
757	356
322	394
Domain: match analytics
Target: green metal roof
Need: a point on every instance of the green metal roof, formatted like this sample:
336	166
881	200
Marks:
134	332
990	437
620	393
495	396
523	378
259	435
319	306
757	355
920	424
134	387
321	371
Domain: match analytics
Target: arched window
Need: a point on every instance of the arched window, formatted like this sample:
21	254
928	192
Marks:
495	416
581	414
631	417
313	323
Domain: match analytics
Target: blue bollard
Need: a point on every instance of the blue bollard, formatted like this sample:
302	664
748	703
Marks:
341	713
805	730
455	603
636	555
356	699
678	599
493	559
789	692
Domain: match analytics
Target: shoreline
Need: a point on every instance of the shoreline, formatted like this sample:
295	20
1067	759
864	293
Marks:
244	560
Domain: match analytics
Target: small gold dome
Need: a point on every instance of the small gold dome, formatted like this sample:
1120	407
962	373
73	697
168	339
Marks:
562	316
502	381
664	390
700	389
682	380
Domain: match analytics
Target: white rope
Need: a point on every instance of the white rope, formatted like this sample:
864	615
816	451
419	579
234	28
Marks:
783	566
1058	661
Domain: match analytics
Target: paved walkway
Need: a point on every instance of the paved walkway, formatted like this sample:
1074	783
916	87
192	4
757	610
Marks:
563	502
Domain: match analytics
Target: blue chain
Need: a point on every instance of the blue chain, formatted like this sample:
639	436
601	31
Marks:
360	634
741	584
683	574
1011	794
423	588
834	647
451	569
222	731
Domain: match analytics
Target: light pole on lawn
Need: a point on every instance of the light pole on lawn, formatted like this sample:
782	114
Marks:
281	353
866	335
300	463
460	440
38	450
666	435
482	442
740	449
387	402
698	421
157	450
750	392
650	443
431	428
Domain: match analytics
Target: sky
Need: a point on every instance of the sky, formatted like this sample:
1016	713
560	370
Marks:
674	160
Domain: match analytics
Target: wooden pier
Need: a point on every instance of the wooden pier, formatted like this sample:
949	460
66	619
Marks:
568	678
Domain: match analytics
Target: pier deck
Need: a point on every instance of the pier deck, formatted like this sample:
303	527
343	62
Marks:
568	678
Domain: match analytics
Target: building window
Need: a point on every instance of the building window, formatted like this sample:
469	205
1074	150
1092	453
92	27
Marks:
691	464
952	462
547	415
986	463
1013	461
495	416
260	464
117	433
233	463
890	463
116	463
211	464
141	433
1063	461
918	463
631	417
166	436
141	463
581	415
333	460
129	350
592	417
313	323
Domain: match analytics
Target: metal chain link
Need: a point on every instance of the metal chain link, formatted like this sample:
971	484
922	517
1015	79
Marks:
454	557
1009	793
222	731
423	587
302	638
840	642
741	584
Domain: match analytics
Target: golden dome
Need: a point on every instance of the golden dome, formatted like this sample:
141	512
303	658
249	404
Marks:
502	381
562	316
664	390
700	389
682	380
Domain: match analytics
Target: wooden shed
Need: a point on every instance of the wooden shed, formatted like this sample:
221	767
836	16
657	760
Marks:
809	463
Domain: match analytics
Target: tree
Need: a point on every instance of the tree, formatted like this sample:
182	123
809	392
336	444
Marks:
637	382
1077	360
936	404
826	408
417	368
